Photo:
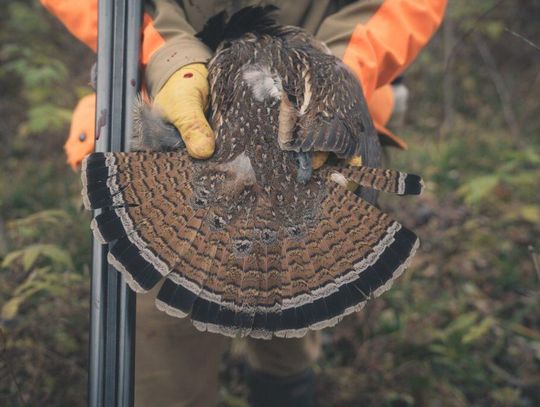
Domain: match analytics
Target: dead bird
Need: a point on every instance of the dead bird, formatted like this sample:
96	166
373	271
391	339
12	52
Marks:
253	242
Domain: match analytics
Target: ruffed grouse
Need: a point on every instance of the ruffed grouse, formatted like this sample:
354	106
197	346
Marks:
252	242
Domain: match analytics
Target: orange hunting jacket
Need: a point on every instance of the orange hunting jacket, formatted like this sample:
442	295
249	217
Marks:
377	39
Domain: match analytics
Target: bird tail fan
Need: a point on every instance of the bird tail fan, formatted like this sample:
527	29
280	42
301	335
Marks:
250	277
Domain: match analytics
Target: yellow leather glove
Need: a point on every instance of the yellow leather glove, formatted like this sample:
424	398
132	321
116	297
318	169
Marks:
182	101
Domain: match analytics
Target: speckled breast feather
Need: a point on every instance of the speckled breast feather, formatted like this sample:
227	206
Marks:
242	246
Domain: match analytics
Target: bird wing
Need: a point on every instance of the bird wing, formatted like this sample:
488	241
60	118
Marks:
322	107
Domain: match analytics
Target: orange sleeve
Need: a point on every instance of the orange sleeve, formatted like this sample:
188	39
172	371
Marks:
381	49
79	17
81	138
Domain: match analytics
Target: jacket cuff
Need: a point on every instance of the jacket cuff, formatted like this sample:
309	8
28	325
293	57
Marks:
171	57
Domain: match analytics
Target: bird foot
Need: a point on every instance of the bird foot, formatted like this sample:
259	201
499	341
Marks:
304	167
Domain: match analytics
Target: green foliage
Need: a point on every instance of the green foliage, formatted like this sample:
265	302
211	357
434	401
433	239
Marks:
39	278
459	329
35	273
29	254
45	117
479	188
462	327
31	62
44	239
478	176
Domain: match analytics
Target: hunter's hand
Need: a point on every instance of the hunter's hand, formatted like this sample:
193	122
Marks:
183	101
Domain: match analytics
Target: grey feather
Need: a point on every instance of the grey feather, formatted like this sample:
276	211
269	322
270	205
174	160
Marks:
263	83
150	131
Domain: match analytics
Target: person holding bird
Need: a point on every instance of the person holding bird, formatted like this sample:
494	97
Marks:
376	40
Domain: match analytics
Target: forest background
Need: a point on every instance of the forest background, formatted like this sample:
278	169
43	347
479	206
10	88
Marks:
461	328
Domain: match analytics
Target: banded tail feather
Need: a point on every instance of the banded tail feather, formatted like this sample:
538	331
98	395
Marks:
252	242
252	276
380	179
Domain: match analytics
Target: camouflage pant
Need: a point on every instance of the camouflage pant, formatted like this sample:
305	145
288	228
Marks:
176	365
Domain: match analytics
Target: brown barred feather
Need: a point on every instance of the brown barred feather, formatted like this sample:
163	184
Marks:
239	245
385	180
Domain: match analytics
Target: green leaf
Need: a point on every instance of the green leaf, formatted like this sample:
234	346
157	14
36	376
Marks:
49	216
478	188
57	255
462	322
438	348
24	291
530	213
42	279
494	29
477	331
46	117
11	308
30	256
11	257
31	253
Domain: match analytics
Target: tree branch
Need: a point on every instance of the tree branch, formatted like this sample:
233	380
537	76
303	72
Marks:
522	38
500	85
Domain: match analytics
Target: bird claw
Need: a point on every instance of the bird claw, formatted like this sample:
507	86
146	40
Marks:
304	167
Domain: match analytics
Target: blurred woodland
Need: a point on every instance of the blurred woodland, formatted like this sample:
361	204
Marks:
461	328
